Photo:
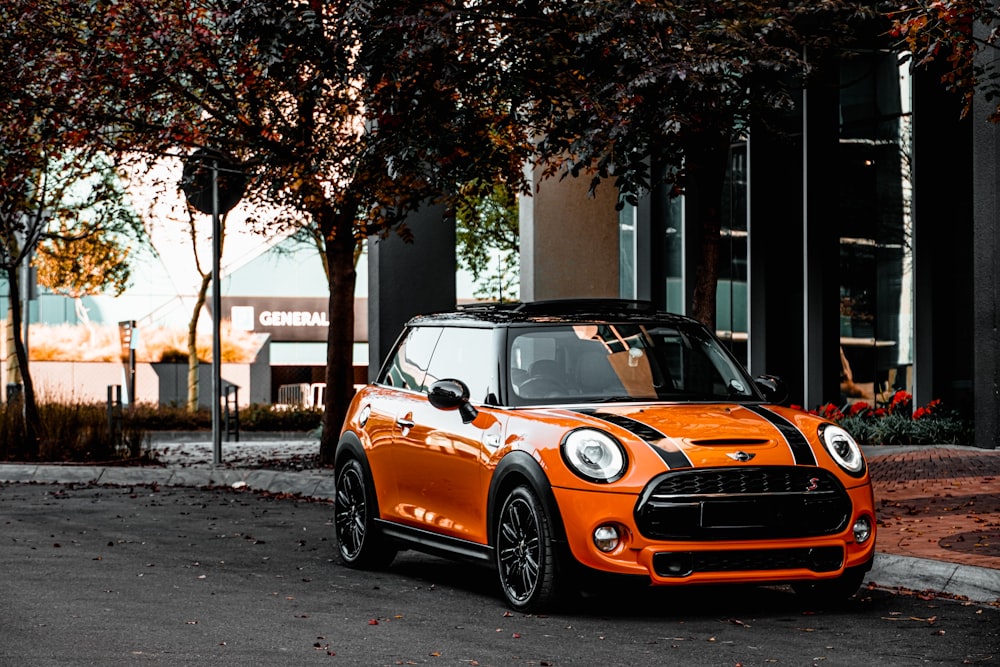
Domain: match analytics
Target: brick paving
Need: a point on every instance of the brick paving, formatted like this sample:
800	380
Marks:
939	503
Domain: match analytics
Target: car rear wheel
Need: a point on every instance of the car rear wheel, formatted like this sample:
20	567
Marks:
358	540
525	555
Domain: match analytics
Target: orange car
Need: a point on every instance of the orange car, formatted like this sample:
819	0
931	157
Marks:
555	439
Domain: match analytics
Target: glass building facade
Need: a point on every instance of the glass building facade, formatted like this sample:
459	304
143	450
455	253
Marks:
869	289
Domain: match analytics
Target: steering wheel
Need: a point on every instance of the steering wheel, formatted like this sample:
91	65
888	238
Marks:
541	387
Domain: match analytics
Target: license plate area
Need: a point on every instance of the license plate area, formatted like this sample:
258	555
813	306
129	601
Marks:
748	513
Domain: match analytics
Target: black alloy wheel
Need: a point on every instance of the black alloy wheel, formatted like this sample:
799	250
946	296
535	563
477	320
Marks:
358	541
525	554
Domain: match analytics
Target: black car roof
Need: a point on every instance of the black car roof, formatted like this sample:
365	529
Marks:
553	311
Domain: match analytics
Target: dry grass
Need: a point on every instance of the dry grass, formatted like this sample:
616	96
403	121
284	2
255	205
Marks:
101	343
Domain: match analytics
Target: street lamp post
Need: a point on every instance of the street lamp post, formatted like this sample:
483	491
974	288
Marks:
201	185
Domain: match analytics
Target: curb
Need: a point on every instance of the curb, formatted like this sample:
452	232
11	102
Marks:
978	584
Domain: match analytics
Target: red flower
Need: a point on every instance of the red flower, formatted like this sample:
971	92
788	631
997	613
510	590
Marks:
831	411
899	401
928	409
859	408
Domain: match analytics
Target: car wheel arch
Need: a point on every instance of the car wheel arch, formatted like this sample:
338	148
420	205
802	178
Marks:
515	469
350	444
350	447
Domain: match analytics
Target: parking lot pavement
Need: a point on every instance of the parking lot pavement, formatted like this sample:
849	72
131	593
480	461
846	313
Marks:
938	523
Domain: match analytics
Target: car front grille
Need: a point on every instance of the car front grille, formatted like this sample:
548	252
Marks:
684	563
746	503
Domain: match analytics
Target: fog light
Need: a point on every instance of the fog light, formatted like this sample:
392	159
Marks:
862	530
606	538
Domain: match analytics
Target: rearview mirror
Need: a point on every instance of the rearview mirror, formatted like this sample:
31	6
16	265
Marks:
450	394
772	387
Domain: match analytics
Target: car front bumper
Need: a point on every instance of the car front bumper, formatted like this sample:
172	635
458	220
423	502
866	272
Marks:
676	562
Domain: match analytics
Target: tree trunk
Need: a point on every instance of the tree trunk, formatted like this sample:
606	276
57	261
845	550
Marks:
705	164
339	252
32	421
192	402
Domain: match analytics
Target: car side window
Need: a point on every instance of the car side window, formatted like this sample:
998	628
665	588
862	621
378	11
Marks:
466	354
408	367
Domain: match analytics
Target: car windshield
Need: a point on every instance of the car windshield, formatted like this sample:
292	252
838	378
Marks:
633	361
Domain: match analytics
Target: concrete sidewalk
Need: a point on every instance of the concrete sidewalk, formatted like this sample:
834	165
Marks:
939	507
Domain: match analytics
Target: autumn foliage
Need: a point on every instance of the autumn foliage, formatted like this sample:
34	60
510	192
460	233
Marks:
349	114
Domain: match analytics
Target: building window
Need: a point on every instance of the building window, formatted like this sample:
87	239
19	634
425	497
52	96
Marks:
876	227
731	292
651	250
627	251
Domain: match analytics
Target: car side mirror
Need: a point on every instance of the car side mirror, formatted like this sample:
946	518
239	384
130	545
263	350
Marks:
450	394
773	388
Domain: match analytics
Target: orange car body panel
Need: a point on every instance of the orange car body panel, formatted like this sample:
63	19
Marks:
438	478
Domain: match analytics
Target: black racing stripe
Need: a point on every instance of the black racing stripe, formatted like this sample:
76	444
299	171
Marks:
660	443
801	451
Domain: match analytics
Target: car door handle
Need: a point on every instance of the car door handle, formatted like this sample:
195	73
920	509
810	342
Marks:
405	423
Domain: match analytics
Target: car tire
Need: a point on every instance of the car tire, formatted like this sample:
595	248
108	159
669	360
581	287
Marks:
359	543
526	558
832	591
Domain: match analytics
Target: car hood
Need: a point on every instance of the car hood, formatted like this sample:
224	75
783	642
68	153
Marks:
716	434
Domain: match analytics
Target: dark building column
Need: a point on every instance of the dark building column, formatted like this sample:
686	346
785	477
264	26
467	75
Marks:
820	237
407	279
775	262
986	273
943	241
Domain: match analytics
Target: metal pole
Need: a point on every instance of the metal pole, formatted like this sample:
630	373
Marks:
26	312
216	318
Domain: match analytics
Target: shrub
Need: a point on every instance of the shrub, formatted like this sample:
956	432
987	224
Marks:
892	422
259	417
255	417
86	432
169	417
78	432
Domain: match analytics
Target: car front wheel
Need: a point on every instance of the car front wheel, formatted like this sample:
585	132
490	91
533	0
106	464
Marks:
525	556
358	541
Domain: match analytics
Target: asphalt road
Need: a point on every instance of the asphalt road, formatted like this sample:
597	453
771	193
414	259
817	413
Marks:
178	576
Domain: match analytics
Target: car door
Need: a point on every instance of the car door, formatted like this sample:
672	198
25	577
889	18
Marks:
438	459
399	387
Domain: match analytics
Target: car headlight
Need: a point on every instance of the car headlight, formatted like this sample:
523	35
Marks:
594	455
842	447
